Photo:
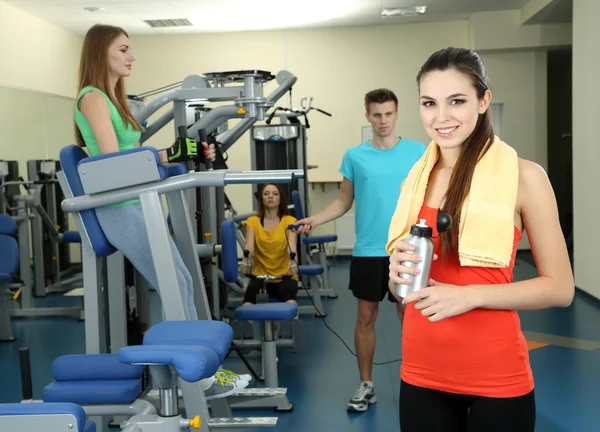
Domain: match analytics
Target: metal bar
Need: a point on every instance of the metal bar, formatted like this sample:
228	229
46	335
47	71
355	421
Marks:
190	180
162	257
186	244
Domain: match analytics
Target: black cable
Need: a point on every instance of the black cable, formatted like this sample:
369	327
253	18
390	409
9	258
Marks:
321	313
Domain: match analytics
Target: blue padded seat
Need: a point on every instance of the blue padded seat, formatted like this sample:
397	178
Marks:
9	258
71	237
93	391
8	226
93	379
216	335
329	238
84	367
310	270
192	362
267	312
30	409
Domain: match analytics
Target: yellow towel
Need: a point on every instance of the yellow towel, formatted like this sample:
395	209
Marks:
486	230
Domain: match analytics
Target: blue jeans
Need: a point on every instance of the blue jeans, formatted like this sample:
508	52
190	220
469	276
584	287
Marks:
125	229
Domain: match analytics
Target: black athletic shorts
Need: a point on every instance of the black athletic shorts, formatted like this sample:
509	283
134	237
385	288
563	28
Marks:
285	290
369	278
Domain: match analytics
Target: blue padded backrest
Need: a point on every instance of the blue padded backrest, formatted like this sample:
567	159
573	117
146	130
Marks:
9	255
70	156
8	226
297	205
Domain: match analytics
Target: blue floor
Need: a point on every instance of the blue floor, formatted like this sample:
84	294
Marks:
323	376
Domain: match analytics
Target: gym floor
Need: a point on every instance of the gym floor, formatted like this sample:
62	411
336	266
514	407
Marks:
564	350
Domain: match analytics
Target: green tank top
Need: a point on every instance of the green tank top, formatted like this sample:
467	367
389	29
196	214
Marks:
127	137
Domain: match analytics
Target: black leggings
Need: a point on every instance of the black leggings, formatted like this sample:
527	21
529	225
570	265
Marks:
284	290
428	410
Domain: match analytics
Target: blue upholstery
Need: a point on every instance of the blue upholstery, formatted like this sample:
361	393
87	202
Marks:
320	239
16	409
9	257
267	312
101	391
229	251
85	367
216	335
71	237
70	157
176	169
8	226
90	426
93	379
310	270
297	205
192	362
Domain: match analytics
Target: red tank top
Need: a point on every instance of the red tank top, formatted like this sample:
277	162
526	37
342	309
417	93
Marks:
481	352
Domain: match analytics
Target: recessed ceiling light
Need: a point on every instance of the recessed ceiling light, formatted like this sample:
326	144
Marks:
94	9
414	11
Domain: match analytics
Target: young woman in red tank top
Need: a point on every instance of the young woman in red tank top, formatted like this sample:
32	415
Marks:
465	361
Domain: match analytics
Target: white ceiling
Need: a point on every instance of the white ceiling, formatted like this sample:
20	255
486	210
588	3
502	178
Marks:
244	15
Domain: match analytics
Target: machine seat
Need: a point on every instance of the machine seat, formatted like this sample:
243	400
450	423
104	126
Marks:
192	362
330	238
93	379
94	392
216	335
267	312
310	270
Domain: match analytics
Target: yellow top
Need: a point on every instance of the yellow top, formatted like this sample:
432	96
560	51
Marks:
271	250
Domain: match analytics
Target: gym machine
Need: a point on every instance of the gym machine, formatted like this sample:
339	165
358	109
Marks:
284	145
137	175
54	270
9	171
27	211
245	89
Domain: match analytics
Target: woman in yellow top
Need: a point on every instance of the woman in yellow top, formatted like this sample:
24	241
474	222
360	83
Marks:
270	244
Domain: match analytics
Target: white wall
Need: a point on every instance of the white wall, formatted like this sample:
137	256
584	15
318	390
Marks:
37	55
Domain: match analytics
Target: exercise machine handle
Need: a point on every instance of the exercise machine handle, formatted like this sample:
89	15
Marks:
204	138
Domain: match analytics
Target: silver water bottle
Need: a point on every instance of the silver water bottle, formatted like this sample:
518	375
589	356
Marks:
420	236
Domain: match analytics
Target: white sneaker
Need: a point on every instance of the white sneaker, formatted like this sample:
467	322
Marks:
363	397
233	376
223	387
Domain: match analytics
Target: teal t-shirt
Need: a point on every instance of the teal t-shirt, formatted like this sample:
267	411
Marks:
127	137
377	175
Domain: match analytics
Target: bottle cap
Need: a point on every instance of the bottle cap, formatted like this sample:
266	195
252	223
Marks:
421	229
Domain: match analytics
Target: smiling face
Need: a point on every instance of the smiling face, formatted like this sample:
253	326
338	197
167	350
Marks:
450	107
120	57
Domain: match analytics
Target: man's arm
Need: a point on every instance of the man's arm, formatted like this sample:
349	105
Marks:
339	207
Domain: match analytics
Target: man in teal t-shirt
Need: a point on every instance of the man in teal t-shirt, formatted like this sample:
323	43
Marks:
373	172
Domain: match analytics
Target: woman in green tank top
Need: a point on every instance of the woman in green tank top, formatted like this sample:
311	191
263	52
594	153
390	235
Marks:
104	124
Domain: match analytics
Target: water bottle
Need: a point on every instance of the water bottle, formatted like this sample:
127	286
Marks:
420	236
